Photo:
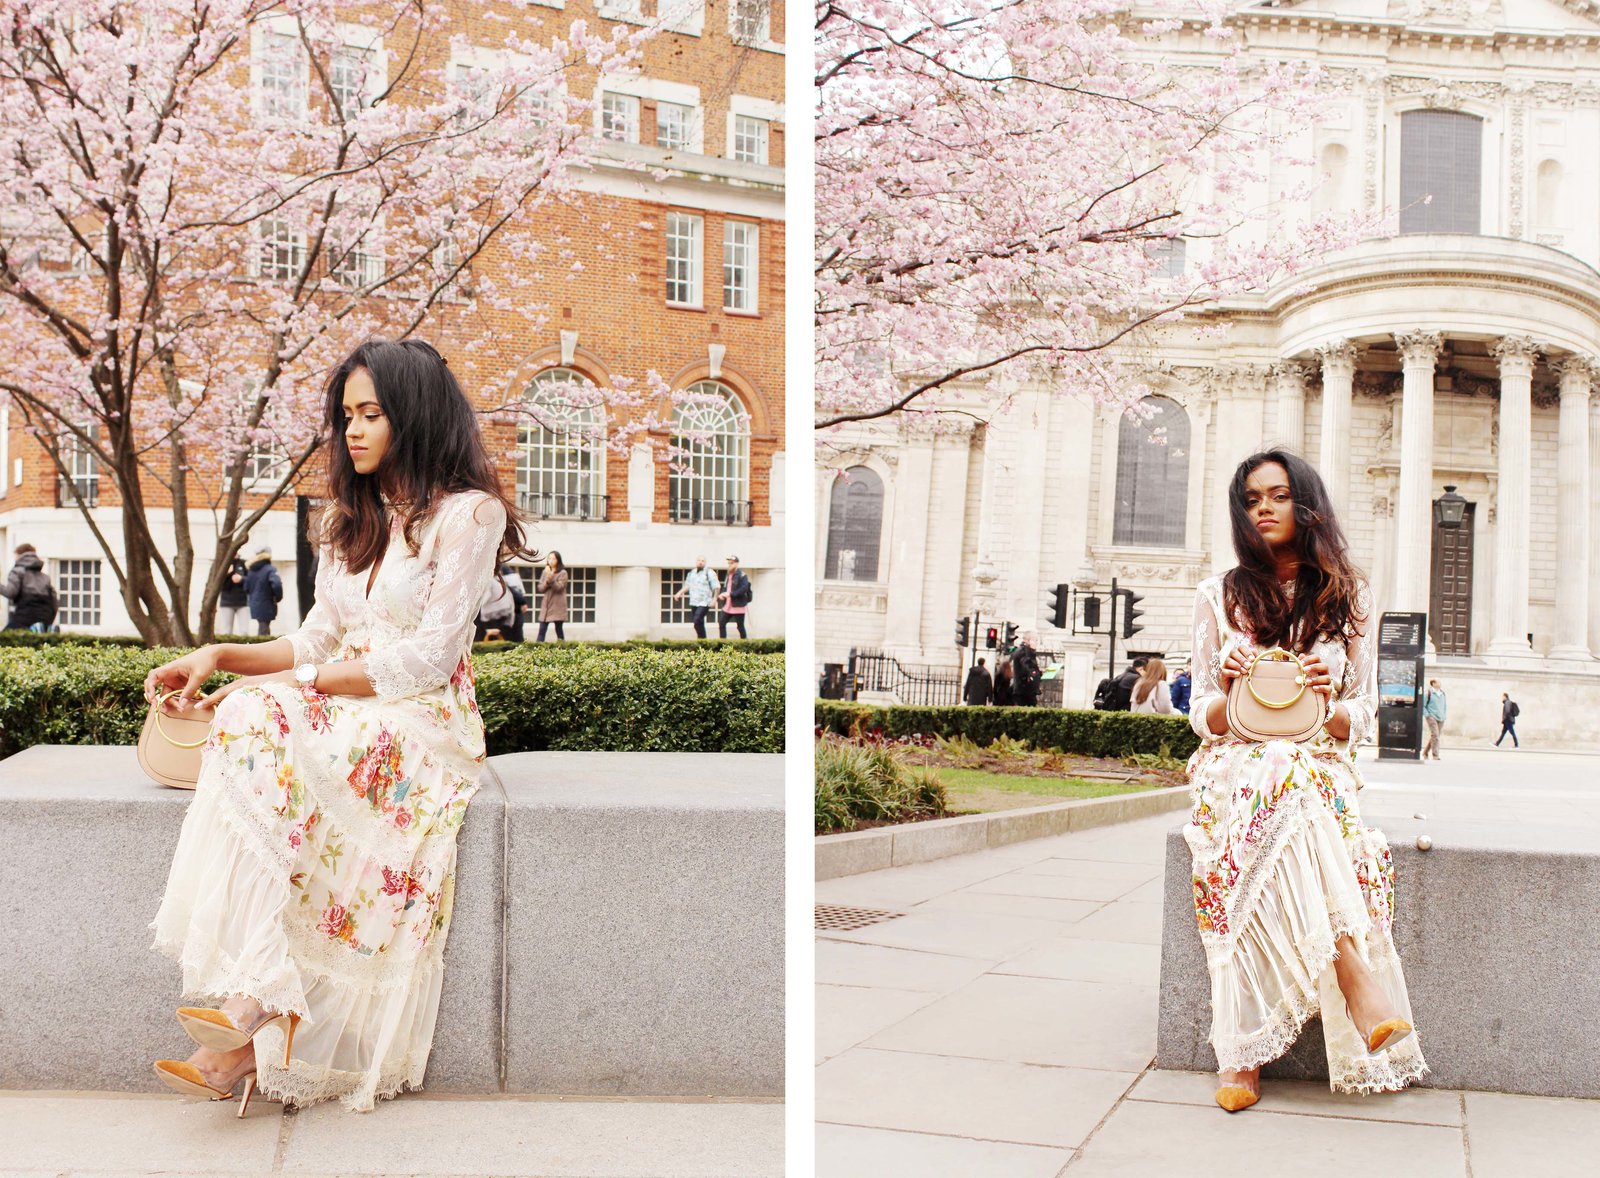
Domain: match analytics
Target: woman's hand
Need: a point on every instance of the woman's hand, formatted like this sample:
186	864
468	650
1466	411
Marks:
185	675
227	689
1318	677
1235	665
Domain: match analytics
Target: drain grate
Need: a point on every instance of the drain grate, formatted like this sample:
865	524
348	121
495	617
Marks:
838	918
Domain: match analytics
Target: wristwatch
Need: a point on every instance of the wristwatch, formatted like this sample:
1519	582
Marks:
306	674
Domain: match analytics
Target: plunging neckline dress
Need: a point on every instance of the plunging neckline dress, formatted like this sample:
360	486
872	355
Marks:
1284	866
315	868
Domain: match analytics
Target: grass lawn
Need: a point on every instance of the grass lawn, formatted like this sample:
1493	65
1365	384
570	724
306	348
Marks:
974	790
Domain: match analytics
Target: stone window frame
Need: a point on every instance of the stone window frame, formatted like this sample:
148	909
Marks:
827	483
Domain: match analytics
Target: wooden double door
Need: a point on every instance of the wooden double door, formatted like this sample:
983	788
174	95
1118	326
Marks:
1450	597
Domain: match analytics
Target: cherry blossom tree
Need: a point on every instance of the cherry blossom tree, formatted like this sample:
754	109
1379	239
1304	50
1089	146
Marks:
1030	189
204	204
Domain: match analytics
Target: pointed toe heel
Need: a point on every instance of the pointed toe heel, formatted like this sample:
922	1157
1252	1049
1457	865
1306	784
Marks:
1388	1034
1235	1098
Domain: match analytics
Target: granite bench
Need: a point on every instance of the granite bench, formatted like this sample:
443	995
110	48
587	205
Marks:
1500	941
618	926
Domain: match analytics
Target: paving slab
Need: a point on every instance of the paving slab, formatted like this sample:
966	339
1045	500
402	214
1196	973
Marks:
959	934
844	1151
848	1014
1005	904
1126	921
1078	959
1141	1139
1512	1136
987	1099
114	1131
846	963
1034	1020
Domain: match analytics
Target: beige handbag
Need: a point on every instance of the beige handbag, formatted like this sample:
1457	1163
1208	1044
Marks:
1273	699
169	745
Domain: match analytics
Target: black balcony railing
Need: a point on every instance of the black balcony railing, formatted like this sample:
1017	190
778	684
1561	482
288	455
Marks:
733	512
88	491
558	505
921	686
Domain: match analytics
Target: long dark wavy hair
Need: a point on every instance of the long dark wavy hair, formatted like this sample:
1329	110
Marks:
1326	603
435	449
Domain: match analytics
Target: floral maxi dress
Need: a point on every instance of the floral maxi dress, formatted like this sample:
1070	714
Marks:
1283	867
315	868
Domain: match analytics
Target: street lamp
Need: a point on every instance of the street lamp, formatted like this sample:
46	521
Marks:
1449	509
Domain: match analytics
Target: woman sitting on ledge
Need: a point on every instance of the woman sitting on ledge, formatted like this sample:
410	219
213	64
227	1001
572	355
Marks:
1294	896
310	893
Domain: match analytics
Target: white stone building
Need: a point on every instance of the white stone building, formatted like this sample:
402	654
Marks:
1460	352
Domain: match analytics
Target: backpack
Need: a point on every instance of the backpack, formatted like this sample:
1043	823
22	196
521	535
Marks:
1515	710
740	592
499	606
1102	695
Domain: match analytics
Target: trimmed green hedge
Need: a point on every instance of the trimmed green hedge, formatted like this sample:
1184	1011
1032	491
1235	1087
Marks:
550	696
28	638
1088	733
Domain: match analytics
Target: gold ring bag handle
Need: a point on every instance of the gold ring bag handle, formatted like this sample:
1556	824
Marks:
169	745
1273	699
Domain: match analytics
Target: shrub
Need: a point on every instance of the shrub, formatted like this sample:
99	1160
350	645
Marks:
743	645
1087	733
566	696
858	782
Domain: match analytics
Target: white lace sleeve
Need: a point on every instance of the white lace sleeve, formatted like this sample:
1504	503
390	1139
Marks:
1359	692
320	634
1206	677
470	529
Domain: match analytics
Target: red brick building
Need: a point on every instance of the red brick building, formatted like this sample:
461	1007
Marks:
679	229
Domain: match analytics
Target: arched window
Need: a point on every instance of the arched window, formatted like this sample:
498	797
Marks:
710	480
1547	205
560	474
1441	172
855	526
1152	475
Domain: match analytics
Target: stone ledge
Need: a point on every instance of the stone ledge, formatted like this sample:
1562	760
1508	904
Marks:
919	842
618	926
1498	942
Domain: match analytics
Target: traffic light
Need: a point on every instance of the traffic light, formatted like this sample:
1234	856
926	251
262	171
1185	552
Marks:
992	637
963	631
1131	615
1058	607
1091	613
1011	635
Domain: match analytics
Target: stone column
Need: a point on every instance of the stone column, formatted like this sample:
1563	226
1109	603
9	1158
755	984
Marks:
1289	378
1024	593
1241	428
1338	385
1572	511
908	544
1513	513
1594	519
1414	510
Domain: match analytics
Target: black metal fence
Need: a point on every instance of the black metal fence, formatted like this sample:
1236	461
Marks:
921	686
733	512
558	505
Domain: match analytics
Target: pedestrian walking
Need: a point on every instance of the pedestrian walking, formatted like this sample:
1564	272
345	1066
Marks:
345	781
553	597
1004	690
264	589
1151	696
1026	673
233	603
1119	697
1508	720
979	686
1433	713
736	599
519	602
701	587
1294	894
33	598
1180	690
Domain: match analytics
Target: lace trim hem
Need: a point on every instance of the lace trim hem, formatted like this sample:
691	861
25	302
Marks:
302	1084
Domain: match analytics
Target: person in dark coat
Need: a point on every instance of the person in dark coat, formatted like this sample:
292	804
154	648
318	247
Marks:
1026	673
1180	691
979	686
233	602
32	596
1004	696
1508	720
264	588
1122	690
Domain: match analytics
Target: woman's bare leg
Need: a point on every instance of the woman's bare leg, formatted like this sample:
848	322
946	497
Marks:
245	1012
1368	1004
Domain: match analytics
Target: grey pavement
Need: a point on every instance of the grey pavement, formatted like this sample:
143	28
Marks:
1005	1024
117	1135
